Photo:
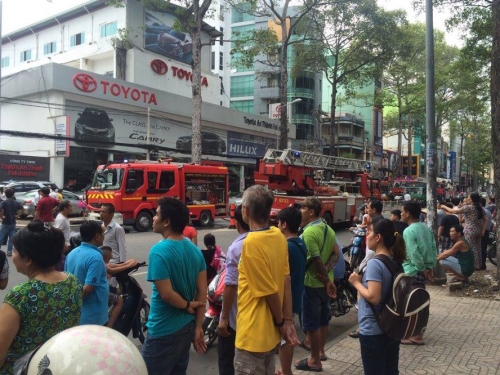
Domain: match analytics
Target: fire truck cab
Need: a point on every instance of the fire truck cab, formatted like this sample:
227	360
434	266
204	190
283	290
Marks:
133	188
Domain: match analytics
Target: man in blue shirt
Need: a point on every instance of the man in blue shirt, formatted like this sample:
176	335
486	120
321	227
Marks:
8	211
179	282
87	264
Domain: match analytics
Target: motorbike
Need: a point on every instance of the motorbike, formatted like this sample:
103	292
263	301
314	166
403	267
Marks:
135	311
357	248
212	316
346	293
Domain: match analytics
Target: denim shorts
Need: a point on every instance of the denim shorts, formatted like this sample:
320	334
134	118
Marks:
169	354
315	308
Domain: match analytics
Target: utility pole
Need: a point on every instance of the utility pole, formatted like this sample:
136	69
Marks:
148	134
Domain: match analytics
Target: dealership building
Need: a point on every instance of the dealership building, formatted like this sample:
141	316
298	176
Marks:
109	83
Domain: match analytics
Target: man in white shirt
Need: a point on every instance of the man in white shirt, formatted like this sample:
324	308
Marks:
407	197
114	234
62	222
53	193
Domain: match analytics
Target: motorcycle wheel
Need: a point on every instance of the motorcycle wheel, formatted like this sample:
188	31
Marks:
492	253
210	329
354	261
351	298
143	316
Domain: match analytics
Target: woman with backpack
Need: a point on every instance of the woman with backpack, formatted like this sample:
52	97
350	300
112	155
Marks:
379	352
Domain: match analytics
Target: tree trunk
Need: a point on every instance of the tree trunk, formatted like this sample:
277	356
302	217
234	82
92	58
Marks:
400	136
283	133
495	108
196	87
333	127
410	151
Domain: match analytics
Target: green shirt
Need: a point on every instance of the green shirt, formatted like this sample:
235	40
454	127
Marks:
313	235
421	250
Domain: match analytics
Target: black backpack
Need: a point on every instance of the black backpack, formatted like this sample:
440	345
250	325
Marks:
406	310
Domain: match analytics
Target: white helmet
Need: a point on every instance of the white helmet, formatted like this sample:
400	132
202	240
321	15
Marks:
85	350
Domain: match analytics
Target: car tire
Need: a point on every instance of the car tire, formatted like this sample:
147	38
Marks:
206	219
143	221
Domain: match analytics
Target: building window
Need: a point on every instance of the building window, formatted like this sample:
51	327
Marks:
235	58
221	41
77	39
242	31
243	106
212	63
25	55
5	62
221	87
221	60
49	48
239	14
108	29
242	85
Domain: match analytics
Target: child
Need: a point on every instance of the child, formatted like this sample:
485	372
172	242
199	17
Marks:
115	300
212	255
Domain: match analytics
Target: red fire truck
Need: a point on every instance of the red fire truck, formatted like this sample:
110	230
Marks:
294	175
134	187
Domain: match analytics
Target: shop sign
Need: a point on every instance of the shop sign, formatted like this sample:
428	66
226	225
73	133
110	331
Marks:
86	83
160	67
260	123
240	144
19	168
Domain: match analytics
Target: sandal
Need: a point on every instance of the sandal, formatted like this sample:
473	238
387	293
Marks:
354	334
412	342
304	346
304	366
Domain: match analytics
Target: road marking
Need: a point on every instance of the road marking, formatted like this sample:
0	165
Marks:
139	273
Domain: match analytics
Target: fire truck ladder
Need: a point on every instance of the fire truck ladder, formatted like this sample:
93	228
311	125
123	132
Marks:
319	161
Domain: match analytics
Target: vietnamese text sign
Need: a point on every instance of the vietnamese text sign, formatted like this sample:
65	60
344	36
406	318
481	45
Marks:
24	168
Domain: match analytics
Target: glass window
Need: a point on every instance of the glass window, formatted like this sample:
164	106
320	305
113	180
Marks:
167	180
212	64
243	106
135	180
108	29
5	62
77	39
242	85
239	14
49	48
234	63
221	40
221	61
152	177
241	31
25	55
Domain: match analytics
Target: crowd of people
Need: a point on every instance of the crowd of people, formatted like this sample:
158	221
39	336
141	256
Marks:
275	279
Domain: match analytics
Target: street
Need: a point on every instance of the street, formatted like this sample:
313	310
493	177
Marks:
138	247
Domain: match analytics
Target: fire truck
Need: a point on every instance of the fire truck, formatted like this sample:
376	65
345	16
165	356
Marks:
134	188
294	175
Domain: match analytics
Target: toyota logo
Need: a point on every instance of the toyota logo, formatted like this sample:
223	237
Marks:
84	82
159	66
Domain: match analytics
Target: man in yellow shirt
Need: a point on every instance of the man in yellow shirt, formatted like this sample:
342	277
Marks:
264	290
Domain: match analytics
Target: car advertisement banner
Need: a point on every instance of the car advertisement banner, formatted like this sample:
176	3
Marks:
24	168
161	38
239	144
106	127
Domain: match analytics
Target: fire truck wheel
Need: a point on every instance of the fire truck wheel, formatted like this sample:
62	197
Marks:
206	219
328	218
143	221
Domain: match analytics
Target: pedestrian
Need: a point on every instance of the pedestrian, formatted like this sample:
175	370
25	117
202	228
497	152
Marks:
4	270
45	207
47	303
227	321
289	220
212	255
379	352
321	244
491	205
447	221
9	209
374	210
396	220
487	228
407	196
179	282
53	193
114	234
459	260
37	198
62	222
264	291
421	251
191	233
87	264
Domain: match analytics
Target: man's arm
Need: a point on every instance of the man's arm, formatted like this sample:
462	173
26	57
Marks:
122	246
227	303
201	296
87	290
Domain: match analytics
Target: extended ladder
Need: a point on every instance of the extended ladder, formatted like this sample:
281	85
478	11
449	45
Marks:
319	161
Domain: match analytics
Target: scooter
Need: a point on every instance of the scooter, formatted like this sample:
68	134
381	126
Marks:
357	249
135	311
212	316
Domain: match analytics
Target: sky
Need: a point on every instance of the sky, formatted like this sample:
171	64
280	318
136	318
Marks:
15	14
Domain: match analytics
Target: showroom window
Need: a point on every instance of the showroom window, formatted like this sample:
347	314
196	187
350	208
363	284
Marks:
108	29
25	55
49	48
239	14
77	39
5	61
242	85
243	105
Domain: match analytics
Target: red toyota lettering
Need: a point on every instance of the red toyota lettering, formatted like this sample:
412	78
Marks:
115	89
104	86
135	94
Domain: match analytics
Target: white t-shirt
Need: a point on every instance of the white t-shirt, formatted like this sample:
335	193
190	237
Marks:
407	197
53	194
62	223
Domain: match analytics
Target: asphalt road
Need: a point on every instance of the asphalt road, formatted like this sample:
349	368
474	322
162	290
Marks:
138	248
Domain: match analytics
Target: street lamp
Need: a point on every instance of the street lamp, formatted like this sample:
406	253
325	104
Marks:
288	112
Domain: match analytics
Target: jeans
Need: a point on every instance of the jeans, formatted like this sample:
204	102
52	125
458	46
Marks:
380	354
168	354
7	230
226	348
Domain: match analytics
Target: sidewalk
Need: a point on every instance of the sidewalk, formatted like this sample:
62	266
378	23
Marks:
463	337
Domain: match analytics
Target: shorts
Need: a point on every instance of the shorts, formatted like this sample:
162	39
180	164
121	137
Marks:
254	363
113	296
452	263
315	308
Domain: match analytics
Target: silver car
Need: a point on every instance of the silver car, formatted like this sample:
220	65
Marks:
28	201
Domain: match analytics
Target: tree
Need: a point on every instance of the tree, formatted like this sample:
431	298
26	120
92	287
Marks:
190	19
495	105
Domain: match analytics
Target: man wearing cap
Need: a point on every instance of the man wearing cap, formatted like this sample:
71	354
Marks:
321	243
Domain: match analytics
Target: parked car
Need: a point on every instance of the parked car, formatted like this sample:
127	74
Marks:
94	125
24	186
175	43
237	199
210	142
27	199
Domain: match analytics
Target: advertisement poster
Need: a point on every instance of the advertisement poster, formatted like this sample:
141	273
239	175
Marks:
248	145
161	38
24	168
108	126
415	164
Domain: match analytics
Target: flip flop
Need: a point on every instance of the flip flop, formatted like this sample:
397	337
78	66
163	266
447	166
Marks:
412	342
304	346
323	358
304	366
354	334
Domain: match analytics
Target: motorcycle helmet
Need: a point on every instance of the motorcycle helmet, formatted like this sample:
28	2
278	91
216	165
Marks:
85	350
